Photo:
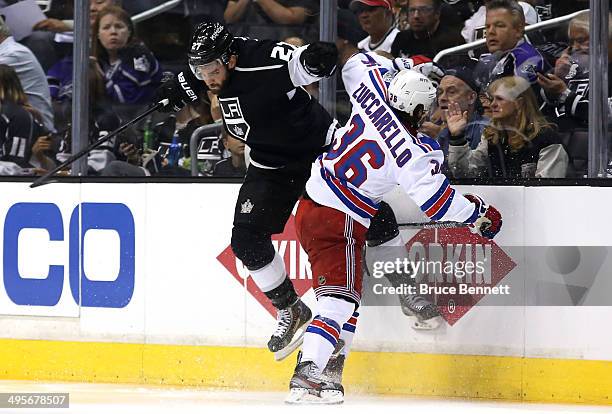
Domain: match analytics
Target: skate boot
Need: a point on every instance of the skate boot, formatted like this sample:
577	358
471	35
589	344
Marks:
308	387
335	365
425	312
292	322
333	370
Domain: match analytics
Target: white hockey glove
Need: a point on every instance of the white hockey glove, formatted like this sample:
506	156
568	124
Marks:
423	65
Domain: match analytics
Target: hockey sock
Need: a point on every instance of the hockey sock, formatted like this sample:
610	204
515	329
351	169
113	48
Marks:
322	334
274	283
347	333
271	275
390	252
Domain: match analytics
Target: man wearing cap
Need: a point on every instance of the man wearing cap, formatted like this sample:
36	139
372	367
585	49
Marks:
377	19
458	93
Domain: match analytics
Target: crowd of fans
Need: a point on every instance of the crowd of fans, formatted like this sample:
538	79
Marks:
516	106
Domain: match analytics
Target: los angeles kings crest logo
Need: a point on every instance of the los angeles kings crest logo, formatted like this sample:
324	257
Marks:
233	116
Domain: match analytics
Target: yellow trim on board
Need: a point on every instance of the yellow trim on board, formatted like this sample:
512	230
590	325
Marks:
465	376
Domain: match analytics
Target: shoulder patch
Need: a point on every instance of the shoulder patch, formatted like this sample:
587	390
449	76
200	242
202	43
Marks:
142	64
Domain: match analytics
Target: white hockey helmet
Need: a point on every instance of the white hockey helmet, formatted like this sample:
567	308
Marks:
409	89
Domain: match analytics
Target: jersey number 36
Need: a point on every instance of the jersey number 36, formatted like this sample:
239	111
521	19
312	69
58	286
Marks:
351	163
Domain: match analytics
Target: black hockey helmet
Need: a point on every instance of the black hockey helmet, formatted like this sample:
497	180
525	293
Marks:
210	41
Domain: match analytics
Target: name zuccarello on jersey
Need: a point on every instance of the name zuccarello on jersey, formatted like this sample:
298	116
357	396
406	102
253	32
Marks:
384	123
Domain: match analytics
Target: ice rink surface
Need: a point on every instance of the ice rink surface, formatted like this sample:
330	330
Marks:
131	399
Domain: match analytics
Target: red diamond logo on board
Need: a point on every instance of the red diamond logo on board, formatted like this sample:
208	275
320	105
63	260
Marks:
296	264
458	245
427	245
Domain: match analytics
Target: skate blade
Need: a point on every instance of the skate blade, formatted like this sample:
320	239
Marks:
427	325
301	396
295	344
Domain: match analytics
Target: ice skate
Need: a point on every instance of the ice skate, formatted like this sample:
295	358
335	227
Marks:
425	313
308	387
292	322
334	369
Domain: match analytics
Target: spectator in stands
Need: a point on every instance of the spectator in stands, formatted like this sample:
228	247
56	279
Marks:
349	36
376	18
130	70
198	11
485	103
41	40
30	74
272	19
428	34
135	161
234	165
59	75
566	91
518	142
561	8
102	119
96	6
67	25
451	13
24	142
55	23
458	93
400	10
474	28
510	54
44	39
59	78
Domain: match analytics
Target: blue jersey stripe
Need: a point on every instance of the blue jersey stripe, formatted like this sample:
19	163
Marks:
377	86
348	203
445	207
436	196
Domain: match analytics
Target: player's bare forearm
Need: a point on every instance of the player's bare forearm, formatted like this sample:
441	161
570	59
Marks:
281	14
235	10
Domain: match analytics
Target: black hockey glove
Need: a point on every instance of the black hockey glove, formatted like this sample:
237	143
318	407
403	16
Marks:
169	90
320	58
179	90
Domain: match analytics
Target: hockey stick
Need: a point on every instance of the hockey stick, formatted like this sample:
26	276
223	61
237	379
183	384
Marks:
434	225
45	178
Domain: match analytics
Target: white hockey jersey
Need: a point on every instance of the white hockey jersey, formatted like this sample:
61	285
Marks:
374	152
383	46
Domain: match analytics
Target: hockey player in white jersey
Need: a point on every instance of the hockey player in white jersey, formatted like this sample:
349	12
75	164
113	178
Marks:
376	151
383	239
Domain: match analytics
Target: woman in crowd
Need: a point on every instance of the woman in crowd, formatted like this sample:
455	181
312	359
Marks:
131	72
519	142
24	141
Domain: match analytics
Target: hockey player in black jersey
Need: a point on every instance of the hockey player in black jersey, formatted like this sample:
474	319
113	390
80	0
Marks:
259	86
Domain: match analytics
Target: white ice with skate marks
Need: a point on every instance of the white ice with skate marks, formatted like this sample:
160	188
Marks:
135	399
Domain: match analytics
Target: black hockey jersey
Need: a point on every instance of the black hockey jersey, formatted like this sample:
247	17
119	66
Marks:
263	103
18	133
